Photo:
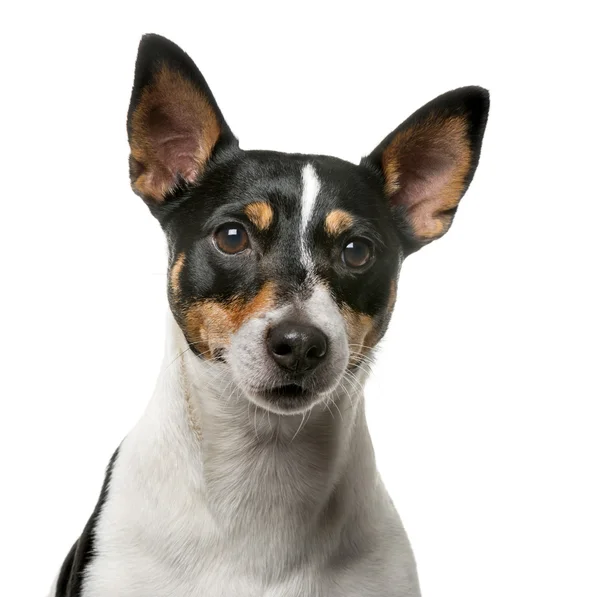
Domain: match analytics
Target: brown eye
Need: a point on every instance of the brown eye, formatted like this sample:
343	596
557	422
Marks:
231	238
357	253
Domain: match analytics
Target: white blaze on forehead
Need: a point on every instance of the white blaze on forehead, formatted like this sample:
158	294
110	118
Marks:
311	186
310	189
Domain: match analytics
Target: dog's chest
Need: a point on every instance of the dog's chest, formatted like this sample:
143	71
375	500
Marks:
141	579
187	557
156	535
182	553
236	522
212	574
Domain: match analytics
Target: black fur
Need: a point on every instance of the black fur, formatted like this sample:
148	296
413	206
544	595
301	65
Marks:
73	569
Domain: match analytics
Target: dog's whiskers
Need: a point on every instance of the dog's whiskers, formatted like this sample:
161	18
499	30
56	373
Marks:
326	403
300	426
255	427
338	408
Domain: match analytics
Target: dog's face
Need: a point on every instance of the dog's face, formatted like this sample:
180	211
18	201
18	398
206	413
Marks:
283	268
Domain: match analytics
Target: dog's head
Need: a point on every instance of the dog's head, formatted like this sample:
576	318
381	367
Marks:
283	267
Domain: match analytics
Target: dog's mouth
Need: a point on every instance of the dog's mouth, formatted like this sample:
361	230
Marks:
286	398
289	391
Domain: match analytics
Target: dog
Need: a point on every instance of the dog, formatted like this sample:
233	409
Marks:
252	472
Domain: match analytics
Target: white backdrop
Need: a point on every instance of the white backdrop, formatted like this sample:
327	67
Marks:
483	408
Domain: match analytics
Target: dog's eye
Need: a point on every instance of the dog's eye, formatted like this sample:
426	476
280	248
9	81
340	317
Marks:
231	238
357	253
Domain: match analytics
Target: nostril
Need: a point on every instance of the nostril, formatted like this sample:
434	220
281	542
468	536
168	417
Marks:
316	352
281	349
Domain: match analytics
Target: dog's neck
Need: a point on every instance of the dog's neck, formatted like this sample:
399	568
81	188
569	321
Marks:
260	474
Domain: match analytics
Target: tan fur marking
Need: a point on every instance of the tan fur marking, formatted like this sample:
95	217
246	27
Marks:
337	222
361	332
393	296
260	214
192	411
444	140
210	324
193	416
192	130
175	275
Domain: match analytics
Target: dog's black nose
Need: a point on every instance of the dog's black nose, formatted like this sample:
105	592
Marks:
297	347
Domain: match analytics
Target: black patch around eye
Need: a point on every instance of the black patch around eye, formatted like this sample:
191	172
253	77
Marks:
357	253
231	238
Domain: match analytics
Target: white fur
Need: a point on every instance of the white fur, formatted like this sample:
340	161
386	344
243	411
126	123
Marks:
311	185
258	505
251	364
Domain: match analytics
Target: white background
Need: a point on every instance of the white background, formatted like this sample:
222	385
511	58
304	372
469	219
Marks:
483	408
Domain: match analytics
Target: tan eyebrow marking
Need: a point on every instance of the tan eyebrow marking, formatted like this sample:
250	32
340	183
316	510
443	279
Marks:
260	214
337	221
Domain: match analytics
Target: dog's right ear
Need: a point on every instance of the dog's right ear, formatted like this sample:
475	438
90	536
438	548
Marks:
174	125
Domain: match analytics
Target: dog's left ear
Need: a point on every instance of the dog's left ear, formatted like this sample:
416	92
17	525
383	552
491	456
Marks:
428	162
174	125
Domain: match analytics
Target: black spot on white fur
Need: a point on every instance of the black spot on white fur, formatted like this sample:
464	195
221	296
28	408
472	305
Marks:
73	570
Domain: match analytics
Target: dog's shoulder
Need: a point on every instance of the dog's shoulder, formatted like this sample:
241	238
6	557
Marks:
72	572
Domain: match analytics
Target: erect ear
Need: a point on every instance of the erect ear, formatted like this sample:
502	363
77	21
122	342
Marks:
174	125
428	162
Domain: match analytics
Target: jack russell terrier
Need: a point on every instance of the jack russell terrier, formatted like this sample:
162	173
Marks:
251	473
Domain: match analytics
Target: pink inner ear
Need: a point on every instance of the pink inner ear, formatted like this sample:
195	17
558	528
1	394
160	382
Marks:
427	182
424	211
425	169
176	144
174	130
